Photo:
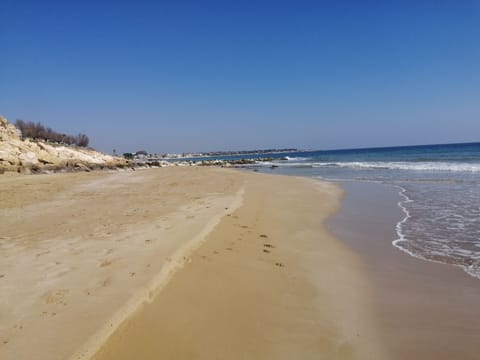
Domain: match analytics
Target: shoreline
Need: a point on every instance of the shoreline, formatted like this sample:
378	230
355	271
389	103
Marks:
426	309
192	262
401	237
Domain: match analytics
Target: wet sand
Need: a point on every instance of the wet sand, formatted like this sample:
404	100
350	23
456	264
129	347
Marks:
427	310
179	263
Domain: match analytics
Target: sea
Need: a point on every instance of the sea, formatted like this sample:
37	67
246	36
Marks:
438	192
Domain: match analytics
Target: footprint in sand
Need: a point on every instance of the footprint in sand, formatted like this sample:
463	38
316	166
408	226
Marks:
43	253
268	246
279	264
56	297
99	285
8	333
105	282
266	251
49	314
105	263
263	236
101	235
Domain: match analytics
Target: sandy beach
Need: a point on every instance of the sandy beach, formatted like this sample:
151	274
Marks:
202	263
80	251
182	262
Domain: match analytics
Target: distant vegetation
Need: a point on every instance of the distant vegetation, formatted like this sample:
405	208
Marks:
38	131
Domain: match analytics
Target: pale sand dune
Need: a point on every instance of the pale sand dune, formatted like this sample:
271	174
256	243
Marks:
256	275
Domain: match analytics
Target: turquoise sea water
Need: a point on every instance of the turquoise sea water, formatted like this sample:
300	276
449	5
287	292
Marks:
439	193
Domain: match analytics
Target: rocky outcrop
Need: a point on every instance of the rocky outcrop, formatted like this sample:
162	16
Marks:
36	156
234	163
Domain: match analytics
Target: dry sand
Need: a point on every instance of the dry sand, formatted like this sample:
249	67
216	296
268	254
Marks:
90	256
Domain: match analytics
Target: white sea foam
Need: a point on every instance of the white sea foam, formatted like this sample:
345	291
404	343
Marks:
290	158
398	227
399	165
286	164
381	165
472	269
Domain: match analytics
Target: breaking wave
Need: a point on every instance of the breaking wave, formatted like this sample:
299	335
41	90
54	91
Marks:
412	166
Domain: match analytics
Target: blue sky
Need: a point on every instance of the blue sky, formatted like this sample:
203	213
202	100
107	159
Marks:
219	75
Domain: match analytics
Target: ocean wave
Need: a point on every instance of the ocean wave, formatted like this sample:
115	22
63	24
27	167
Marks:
286	164
431	250
415	166
291	158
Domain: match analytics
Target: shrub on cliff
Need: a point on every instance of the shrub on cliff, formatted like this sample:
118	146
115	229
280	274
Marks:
33	130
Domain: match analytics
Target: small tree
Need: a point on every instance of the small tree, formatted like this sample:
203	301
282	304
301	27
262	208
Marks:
38	131
82	140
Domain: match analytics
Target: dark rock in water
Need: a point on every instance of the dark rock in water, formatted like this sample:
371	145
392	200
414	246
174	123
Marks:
273	166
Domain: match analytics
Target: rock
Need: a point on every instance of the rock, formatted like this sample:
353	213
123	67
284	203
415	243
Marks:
24	170
8	131
82	167
28	155
28	159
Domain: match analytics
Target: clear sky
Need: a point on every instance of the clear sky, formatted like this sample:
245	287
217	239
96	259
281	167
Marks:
172	76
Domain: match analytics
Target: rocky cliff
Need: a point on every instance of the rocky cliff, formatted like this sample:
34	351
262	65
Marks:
36	156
